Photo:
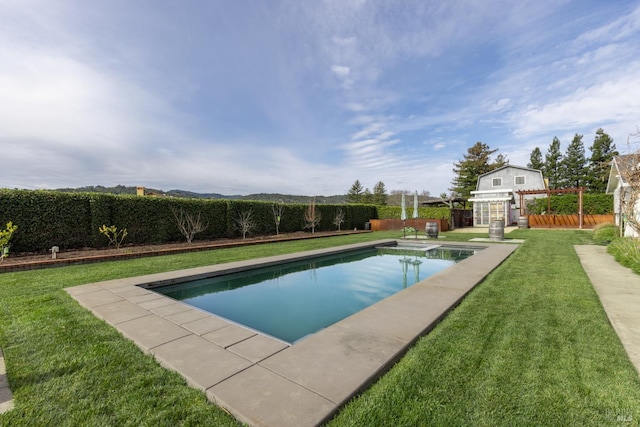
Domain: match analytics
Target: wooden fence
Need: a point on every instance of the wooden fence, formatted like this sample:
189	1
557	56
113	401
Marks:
568	221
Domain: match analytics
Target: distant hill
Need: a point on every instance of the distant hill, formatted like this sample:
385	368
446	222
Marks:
267	197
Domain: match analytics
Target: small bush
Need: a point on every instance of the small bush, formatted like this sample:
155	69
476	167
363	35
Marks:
114	235
627	252
603	234
5	238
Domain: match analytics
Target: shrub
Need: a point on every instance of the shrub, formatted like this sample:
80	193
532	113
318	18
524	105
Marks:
114	235
74	220
567	204
5	239
603	234
47	218
393	212
626	251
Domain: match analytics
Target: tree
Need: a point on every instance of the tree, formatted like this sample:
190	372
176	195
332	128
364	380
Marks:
379	194
475	163
338	220
355	193
277	209
552	164
629	169
366	197
188	224
500	161
312	215
602	152
245	222
574	164
535	161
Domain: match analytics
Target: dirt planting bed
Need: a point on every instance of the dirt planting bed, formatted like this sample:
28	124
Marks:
28	261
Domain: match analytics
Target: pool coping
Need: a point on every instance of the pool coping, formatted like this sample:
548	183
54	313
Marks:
263	381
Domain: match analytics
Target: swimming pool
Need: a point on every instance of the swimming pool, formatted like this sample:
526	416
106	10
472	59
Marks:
255	376
292	300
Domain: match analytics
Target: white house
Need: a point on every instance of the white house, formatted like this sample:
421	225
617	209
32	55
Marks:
621	190
494	197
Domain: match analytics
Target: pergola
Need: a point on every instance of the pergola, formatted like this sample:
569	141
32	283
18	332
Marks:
549	192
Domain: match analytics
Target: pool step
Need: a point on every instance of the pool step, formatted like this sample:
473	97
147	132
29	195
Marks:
410	247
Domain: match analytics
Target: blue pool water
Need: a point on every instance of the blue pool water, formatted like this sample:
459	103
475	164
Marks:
293	300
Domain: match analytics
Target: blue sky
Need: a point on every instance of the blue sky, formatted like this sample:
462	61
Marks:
303	97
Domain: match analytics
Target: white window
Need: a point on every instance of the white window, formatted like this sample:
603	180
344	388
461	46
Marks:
486	212
496	182
520	180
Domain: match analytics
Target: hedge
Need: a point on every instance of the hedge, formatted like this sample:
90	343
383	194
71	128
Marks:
394	212
71	220
567	204
45	219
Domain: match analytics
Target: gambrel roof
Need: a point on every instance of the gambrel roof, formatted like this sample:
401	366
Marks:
509	166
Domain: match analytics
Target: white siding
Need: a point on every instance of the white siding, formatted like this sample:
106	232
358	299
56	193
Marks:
495	196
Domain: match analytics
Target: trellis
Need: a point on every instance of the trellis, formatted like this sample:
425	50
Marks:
549	192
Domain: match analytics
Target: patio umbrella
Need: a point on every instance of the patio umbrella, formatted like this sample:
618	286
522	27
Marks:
404	261
416	269
415	205
403	215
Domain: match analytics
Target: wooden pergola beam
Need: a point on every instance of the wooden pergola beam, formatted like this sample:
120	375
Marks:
549	192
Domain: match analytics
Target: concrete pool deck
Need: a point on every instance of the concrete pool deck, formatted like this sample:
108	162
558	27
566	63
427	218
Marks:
266	382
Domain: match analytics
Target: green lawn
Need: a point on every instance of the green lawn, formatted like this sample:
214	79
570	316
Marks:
531	345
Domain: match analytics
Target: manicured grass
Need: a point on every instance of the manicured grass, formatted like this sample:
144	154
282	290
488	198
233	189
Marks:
66	367
531	345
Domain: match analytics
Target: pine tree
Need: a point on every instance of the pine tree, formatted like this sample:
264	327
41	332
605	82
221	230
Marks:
574	164
366	197
535	161
379	194
500	161
355	193
553	164
602	152
475	163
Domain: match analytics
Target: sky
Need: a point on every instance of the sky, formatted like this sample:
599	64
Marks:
303	97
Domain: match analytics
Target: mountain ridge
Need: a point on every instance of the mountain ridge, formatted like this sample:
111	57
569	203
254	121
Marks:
267	197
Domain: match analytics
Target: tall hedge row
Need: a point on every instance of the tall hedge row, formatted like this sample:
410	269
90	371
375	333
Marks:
71	220
567	204
45	219
394	212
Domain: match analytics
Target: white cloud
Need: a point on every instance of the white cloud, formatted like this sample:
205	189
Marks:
344	75
372	128
501	105
623	27
341	71
355	107
616	100
311	97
